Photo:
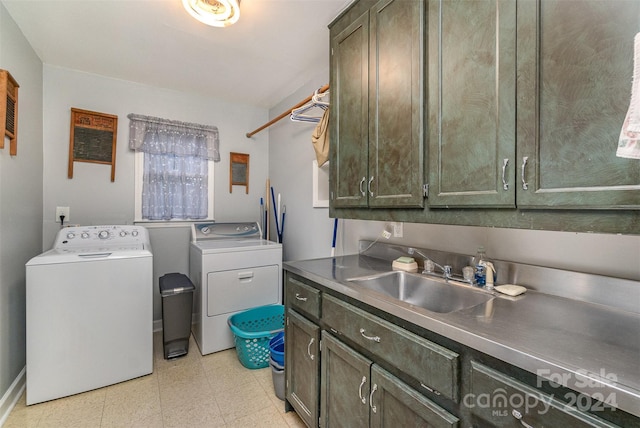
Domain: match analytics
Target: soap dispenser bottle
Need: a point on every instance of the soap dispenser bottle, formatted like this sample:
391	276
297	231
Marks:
479	264
485	272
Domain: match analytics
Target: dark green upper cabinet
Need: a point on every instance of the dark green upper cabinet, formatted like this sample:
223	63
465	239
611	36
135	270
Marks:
349	114
509	110
472	96
395	104
575	64
377	108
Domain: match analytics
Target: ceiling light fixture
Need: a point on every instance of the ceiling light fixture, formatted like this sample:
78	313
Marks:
217	13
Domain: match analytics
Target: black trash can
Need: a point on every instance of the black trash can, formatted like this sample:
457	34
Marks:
177	301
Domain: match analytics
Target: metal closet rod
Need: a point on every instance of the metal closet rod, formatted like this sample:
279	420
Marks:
300	104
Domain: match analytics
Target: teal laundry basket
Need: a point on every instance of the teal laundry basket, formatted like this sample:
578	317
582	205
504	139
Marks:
252	331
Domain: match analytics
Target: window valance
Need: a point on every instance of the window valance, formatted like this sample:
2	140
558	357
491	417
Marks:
163	136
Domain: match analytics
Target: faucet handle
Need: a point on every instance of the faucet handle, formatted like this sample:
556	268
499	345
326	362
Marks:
447	271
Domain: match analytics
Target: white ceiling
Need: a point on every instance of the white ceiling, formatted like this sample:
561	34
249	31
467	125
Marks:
275	47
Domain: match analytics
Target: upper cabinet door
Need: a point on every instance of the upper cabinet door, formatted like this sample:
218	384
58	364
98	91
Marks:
396	147
349	114
575	65
472	93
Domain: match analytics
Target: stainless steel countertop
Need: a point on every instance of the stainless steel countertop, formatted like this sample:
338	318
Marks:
591	348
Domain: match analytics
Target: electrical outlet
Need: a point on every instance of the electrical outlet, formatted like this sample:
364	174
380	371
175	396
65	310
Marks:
63	211
397	230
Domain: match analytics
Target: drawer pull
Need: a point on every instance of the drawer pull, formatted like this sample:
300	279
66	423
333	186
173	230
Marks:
309	348
516	414
373	338
302	299
363	399
245	275
374	409
429	389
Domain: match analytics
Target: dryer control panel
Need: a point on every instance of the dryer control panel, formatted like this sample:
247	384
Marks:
207	231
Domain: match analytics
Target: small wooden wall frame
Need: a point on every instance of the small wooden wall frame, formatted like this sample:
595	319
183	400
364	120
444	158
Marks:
239	171
9	111
93	139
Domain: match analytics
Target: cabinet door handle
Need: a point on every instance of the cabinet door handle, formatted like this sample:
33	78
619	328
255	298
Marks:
363	399
362	185
505	185
373	338
369	186
516	414
311	356
302	299
525	185
374	409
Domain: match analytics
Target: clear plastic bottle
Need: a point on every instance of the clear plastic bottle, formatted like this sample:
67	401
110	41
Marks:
480	267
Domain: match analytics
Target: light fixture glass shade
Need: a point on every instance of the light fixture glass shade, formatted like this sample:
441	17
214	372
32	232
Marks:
217	13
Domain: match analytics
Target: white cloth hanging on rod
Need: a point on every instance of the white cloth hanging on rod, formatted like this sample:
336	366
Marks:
629	142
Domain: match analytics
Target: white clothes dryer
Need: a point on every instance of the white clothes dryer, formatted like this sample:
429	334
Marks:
89	311
233	269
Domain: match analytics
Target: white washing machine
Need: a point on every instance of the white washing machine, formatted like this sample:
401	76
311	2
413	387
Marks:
89	311
233	269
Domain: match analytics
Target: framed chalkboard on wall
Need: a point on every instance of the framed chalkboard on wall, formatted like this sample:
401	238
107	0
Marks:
93	139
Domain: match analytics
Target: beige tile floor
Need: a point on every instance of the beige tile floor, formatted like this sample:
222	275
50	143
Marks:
193	391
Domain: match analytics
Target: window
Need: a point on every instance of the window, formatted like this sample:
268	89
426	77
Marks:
173	169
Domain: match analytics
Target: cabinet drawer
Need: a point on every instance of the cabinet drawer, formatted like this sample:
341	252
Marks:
506	402
435	367
302	297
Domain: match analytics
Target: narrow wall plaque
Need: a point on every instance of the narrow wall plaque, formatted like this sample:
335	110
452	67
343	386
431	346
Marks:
9	111
239	171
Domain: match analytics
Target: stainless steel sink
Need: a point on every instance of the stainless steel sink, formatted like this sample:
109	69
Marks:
432	294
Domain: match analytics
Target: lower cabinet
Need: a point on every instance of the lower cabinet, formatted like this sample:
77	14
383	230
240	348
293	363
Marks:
498	400
302	374
347	367
355	392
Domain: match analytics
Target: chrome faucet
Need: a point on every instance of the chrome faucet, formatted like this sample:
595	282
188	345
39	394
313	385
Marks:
446	269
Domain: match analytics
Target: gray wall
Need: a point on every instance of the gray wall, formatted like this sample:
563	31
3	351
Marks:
94	199
308	230
20	201
90	194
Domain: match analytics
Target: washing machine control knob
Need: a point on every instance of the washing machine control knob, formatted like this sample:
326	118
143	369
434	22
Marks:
134	233
123	233
103	234
71	235
84	235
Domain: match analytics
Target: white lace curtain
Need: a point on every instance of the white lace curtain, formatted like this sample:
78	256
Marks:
176	166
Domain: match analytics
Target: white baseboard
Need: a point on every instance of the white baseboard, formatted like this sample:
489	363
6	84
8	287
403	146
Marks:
11	397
